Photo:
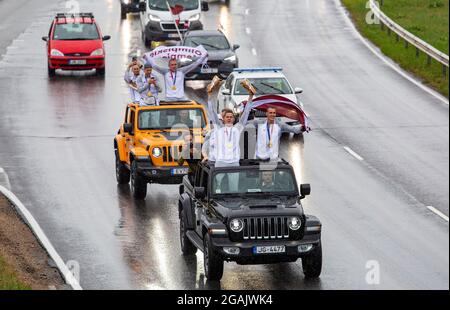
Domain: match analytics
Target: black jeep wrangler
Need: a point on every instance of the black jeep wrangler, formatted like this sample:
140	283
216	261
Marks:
248	215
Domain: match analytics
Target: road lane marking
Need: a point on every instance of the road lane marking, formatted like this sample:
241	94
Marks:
437	212
353	153
254	52
4	179
39	233
385	59
248	31
247	11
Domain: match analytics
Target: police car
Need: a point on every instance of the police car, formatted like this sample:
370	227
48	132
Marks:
267	81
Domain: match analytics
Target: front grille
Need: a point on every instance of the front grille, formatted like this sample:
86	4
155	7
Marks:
171	26
214	63
77	54
266	228
171	154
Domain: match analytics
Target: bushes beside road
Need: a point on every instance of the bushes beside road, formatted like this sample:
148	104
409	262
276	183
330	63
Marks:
427	19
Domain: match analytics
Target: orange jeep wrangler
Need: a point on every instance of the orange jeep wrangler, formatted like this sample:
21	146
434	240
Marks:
150	140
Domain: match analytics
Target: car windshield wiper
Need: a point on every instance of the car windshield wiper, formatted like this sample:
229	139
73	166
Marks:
273	87
206	44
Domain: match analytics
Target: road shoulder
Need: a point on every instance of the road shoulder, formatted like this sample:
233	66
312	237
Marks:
24	264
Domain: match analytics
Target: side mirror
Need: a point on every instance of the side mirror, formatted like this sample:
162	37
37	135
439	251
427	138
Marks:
236	46
128	128
143	6
45	39
226	92
106	38
298	90
200	193
205	6
305	190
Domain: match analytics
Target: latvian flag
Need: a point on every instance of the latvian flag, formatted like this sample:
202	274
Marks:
285	108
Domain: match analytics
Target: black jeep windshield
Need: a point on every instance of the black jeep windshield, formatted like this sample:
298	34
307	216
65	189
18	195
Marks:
74	31
161	5
163	119
255	181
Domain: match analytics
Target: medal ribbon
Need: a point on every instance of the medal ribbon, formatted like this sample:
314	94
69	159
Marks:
270	132
174	80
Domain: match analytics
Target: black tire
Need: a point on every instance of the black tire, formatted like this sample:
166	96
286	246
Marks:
312	263
51	72
213	264
186	245
101	71
122	172
123	13
138	183
147	42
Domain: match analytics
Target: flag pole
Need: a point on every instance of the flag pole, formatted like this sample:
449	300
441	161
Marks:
174	20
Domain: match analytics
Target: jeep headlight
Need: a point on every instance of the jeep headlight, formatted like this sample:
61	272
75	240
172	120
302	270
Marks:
55	52
231	59
236	225
294	223
157	152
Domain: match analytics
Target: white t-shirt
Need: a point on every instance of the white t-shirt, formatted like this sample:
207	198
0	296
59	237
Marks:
268	148
174	84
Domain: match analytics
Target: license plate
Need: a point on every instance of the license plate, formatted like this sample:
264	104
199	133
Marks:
269	249
209	70
180	171
173	35
77	62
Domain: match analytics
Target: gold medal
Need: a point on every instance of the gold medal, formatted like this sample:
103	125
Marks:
269	145
174	87
230	145
149	94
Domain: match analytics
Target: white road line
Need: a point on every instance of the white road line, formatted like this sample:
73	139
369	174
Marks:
248	31
247	11
4	179
353	153
385	59
254	52
38	232
437	212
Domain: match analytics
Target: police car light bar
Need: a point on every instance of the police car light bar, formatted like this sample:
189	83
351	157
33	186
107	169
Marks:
273	69
258	69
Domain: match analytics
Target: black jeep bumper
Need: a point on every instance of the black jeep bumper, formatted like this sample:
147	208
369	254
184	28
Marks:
159	175
247	256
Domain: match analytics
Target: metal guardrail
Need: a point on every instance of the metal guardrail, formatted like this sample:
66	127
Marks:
409	37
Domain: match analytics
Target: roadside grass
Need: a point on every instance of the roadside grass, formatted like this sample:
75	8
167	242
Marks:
9	279
427	19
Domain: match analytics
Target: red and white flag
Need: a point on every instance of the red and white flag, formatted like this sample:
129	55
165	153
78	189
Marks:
285	108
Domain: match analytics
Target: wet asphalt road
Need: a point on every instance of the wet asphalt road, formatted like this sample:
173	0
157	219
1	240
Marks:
56	145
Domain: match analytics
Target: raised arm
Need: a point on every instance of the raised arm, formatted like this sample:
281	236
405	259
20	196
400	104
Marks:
142	84
244	117
152	62
212	115
196	63
294	129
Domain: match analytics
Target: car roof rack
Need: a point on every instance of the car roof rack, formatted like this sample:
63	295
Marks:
268	69
74	15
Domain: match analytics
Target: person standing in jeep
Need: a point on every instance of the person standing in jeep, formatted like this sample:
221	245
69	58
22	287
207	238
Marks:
174	77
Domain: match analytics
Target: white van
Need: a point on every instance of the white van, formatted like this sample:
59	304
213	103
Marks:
158	24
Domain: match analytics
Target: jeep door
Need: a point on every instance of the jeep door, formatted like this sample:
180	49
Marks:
201	205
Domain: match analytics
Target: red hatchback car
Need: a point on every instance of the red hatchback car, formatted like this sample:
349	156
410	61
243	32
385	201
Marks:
74	42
